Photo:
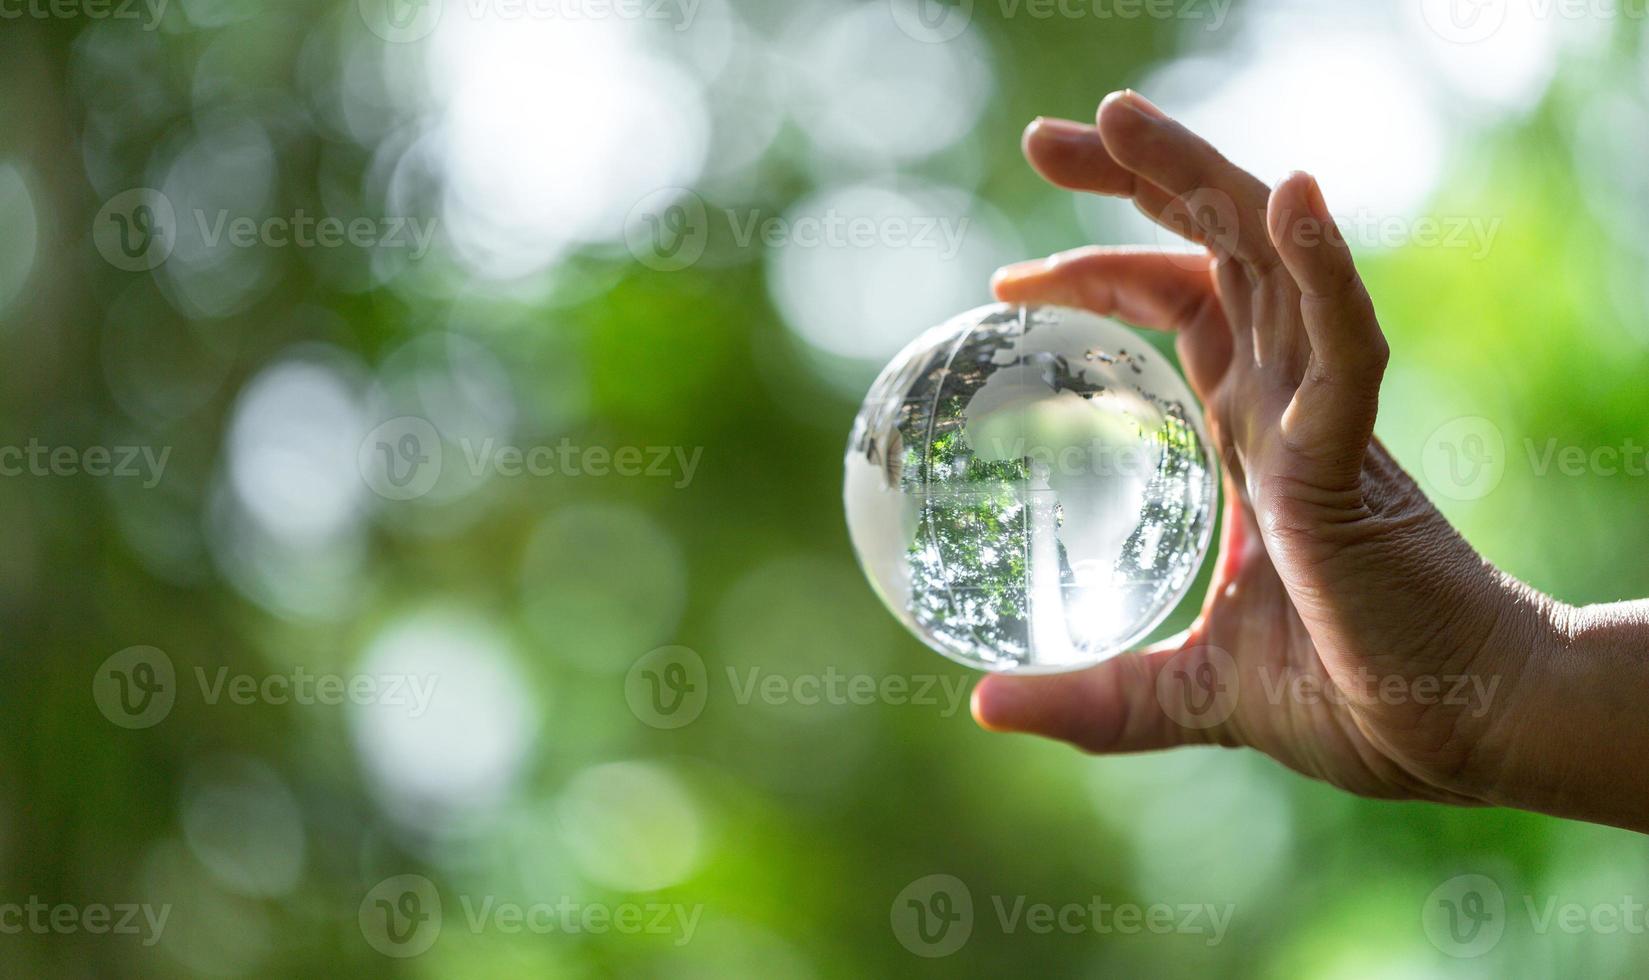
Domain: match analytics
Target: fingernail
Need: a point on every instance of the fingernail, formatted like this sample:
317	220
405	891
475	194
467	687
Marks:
998	704
1142	104
1314	201
1060	129
1042	264
1015	270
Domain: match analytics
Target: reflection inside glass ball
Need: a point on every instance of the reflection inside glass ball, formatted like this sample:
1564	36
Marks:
1030	489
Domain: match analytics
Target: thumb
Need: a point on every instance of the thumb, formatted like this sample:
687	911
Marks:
1170	695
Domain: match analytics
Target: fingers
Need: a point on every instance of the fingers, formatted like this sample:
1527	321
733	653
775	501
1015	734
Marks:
1073	156
1148	288
1288	296
1113	707
1332	415
1234	289
1221	200
1154	289
1222	205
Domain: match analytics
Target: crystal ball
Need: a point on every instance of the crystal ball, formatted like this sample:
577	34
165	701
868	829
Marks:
1030	489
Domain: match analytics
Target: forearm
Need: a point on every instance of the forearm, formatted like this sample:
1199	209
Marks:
1578	744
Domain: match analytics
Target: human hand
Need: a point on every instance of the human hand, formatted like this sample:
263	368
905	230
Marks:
1349	631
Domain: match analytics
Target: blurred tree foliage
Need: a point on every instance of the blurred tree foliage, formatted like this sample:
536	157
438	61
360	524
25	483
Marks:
793	826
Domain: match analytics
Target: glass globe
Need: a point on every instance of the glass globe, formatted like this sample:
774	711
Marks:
1030	489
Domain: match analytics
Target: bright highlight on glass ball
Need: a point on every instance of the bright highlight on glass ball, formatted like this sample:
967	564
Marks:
1030	489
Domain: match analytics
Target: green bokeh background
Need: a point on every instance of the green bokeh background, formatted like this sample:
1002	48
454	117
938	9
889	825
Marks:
791	827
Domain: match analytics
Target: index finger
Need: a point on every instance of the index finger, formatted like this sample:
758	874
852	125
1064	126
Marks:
1071	155
1148	288
1143	139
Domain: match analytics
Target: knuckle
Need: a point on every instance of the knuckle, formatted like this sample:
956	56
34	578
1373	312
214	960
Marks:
1379	351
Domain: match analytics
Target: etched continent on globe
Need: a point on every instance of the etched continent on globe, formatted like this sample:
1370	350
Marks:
1030	489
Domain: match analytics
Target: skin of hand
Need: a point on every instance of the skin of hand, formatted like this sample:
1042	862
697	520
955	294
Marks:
1349	632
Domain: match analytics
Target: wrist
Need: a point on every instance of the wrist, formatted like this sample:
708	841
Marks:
1573	736
1520	634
